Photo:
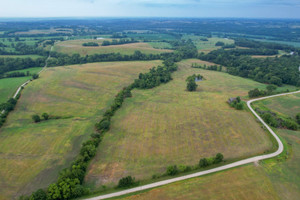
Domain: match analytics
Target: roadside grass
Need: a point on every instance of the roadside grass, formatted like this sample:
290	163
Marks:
168	125
75	46
33	154
8	86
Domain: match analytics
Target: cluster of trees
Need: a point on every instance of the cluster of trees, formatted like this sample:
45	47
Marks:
208	67
236	103
22	48
277	121
118	42
270	90
204	162
191	82
11	64
127	182
36	118
5	108
155	77
278	70
219	44
90	44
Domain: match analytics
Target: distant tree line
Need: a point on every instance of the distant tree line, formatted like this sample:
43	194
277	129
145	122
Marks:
208	67
118	42
278	70
12	64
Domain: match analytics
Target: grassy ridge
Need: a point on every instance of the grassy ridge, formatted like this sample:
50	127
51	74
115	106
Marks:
8	86
79	94
167	125
75	46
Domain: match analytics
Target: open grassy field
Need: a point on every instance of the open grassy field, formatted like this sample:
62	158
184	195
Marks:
207	46
160	45
276	178
31	155
33	70
168	125
75	46
8	86
151	36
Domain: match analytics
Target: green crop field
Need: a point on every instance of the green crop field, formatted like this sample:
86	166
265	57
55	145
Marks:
168	125
75	46
151	36
8	86
33	154
276	178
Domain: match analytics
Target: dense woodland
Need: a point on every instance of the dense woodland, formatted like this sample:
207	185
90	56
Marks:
118	42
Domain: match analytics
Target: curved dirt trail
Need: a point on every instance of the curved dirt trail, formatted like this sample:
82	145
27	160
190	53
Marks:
217	169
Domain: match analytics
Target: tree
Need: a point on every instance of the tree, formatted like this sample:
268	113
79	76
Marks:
45	116
126	182
271	88
298	118
203	162
276	81
191	85
39	195
36	118
219	158
220	43
35	76
172	170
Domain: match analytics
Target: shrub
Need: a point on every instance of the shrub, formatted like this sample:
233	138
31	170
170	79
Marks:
36	118
39	195
290	124
298	118
45	116
219	158
203	162
103	125
172	170
126	182
35	76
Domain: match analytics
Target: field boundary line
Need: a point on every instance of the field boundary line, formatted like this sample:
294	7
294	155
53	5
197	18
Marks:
217	169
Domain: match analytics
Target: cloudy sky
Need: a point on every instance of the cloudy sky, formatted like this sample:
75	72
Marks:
149	8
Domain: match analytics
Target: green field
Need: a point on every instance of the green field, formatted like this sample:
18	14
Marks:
276	178
8	86
33	154
160	45
168	125
75	46
207	46
33	70
149	36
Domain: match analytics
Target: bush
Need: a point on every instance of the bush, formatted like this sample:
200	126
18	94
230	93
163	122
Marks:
290	124
36	118
126	182
203	162
45	116
219	158
103	125
298	118
172	170
35	76
39	195
270	119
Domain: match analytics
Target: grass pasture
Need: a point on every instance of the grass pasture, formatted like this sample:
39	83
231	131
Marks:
33	70
276	178
75	46
160	45
33	154
168	125
21	56
151	36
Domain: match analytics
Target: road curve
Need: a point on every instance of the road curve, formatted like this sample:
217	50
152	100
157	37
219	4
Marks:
217	169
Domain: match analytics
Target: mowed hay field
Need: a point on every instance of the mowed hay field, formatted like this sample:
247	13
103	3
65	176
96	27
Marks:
168	125
31	155
276	178
75	46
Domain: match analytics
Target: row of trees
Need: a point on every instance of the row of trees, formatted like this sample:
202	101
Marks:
208	67
118	42
7	107
90	44
11	64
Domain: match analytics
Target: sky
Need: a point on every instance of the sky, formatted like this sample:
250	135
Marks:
151	8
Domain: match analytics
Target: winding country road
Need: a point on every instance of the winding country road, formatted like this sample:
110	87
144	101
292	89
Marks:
217	169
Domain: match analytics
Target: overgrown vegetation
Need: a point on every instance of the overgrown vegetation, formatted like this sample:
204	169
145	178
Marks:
191	82
270	90
90	44
5	108
118	42
209	67
236	103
